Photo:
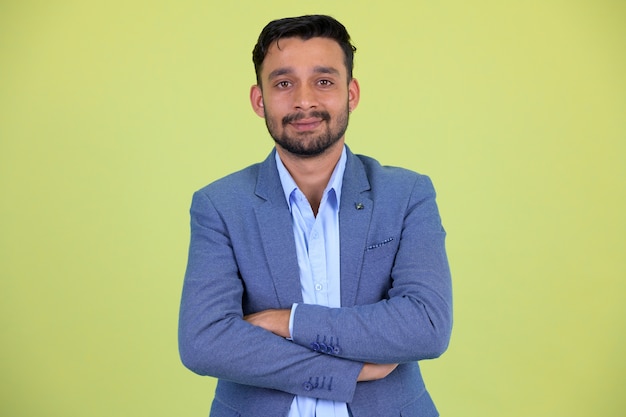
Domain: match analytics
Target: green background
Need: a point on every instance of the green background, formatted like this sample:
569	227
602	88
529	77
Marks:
113	113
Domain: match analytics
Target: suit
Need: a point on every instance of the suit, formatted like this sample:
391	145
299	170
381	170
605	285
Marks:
395	293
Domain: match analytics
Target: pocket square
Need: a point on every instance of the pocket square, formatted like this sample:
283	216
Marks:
378	245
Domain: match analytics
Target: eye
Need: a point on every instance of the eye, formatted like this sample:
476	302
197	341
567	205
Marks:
325	83
283	84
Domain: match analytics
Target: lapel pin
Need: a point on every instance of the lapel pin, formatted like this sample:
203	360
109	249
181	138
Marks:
359	206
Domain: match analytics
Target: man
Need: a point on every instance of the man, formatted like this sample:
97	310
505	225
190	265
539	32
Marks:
316	279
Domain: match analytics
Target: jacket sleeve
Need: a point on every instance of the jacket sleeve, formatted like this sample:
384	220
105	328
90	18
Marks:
413	321
214	339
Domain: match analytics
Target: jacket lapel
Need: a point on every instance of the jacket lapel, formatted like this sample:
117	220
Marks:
274	221
355	214
275	224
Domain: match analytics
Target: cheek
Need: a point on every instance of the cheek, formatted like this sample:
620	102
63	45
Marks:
273	108
273	122
339	103
269	113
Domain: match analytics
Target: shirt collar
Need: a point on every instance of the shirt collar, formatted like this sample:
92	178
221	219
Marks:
335	182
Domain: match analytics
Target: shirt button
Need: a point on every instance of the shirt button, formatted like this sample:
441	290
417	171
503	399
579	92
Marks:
319	287
315	235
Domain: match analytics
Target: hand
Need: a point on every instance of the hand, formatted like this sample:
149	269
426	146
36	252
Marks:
275	321
374	371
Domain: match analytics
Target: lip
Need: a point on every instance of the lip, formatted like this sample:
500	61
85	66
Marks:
304	125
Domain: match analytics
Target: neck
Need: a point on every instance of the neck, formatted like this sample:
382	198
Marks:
312	174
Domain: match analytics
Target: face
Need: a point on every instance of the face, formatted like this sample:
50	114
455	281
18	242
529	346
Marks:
305	95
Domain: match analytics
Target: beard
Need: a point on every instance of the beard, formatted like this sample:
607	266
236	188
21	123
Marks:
308	144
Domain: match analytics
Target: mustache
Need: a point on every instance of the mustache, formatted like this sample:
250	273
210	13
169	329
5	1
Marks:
294	117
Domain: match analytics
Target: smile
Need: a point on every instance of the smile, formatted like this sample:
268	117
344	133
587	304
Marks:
304	125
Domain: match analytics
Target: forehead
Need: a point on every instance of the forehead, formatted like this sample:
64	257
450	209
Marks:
296	55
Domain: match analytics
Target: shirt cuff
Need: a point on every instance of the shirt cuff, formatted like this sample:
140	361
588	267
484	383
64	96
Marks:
293	312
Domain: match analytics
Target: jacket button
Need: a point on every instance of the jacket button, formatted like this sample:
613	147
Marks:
307	386
315	346
336	350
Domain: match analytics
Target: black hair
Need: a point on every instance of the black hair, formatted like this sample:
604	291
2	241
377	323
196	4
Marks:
303	27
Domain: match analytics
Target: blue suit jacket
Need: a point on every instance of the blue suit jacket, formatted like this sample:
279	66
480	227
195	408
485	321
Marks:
395	293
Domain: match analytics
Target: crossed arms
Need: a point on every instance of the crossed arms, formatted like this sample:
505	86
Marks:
232	327
277	322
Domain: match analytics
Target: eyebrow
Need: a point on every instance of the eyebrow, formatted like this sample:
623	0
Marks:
279	72
326	70
288	70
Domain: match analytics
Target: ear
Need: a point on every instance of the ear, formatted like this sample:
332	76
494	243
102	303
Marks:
256	99
354	94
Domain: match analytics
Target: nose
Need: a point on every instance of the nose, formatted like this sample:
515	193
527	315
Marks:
305	98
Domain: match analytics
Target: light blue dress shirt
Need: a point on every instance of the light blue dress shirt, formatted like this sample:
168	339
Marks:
317	246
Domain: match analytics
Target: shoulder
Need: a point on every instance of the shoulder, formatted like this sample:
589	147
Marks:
242	181
244	189
229	194
393	180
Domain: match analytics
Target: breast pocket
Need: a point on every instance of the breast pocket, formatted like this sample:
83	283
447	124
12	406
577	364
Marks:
386	242
378	261
382	249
